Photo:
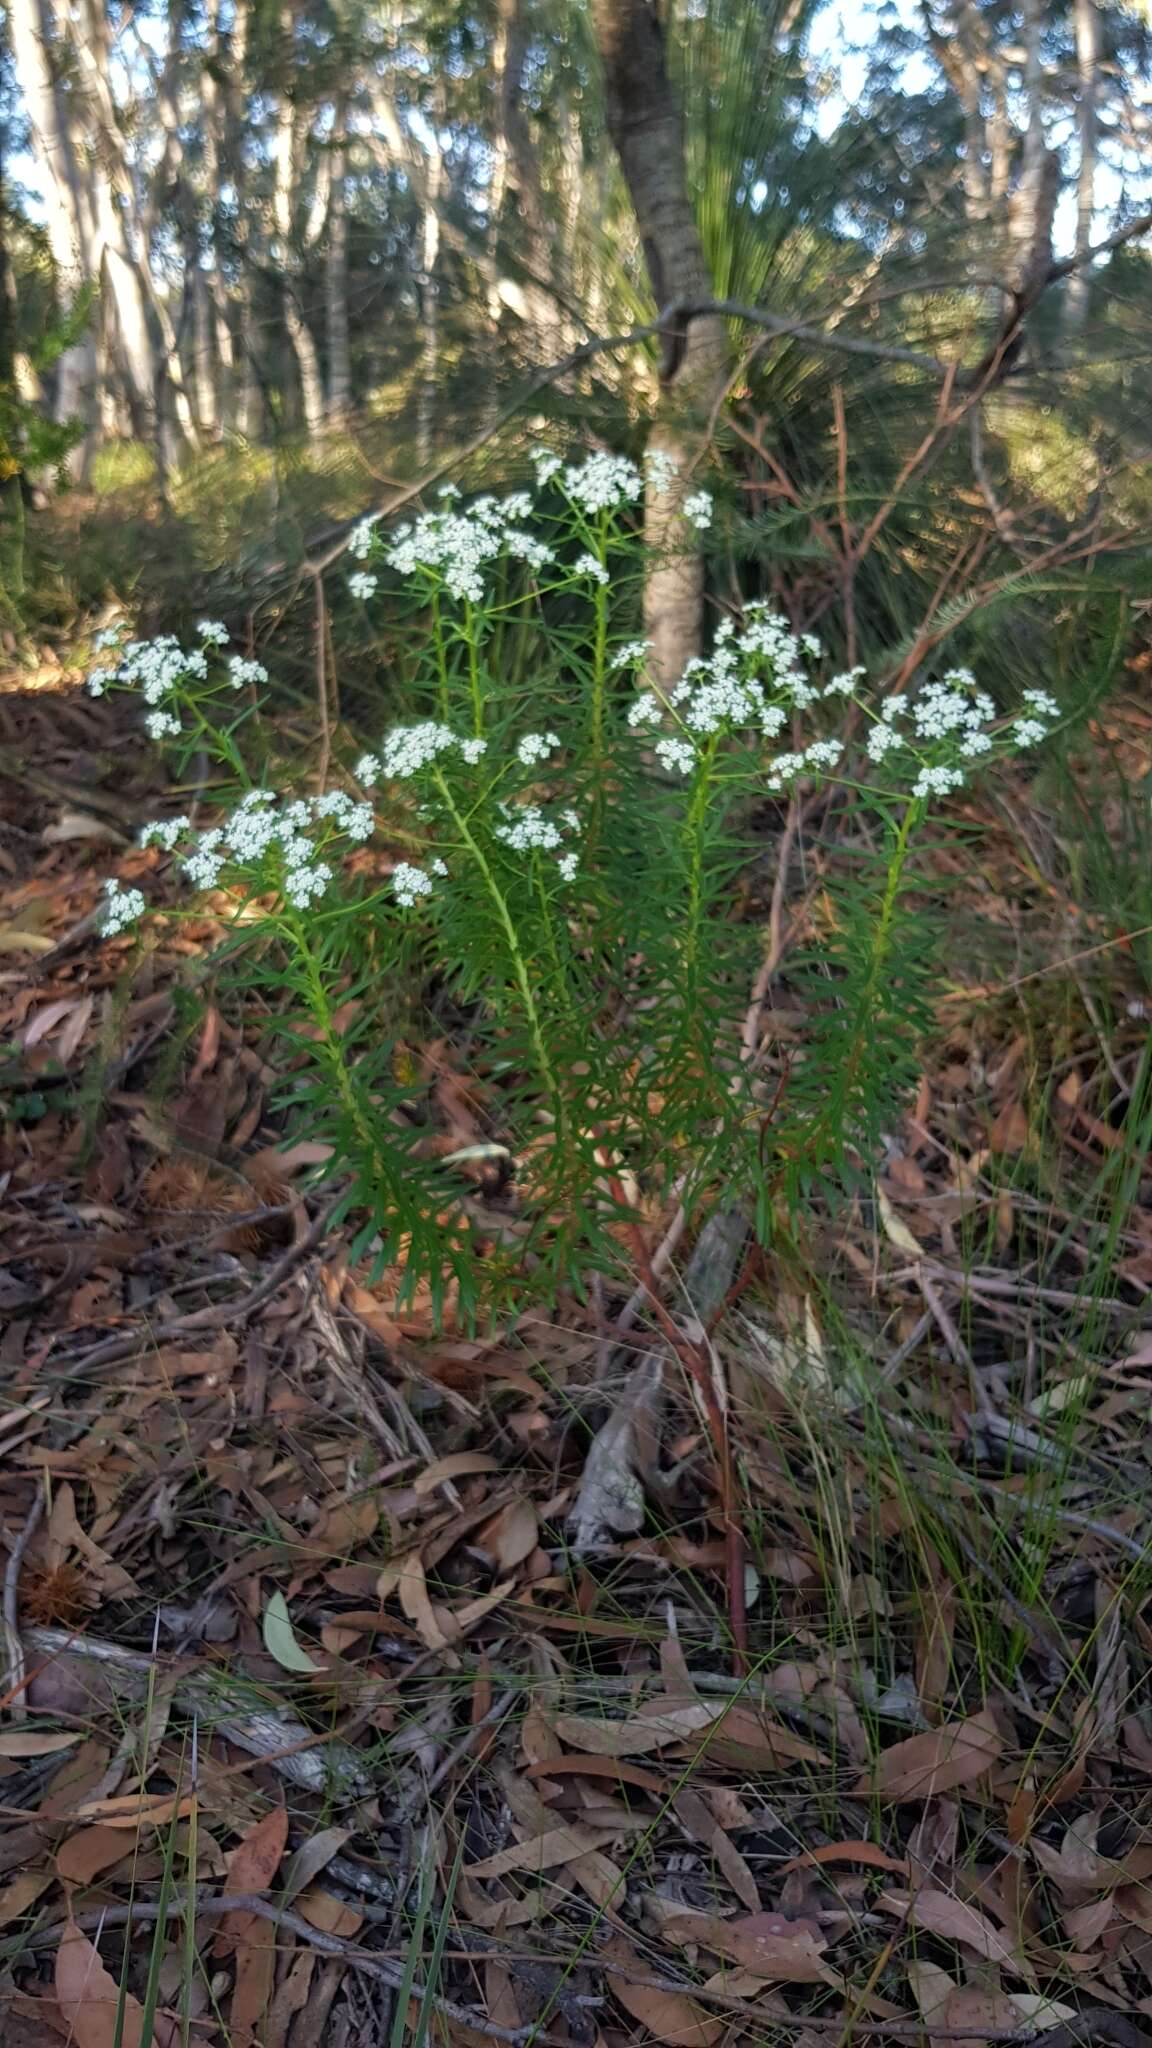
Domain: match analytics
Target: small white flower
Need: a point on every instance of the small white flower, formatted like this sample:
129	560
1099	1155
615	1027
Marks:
587	565
162	832
676	755
368	770
109	637
976	743
645	710
881	740
937	781
161	724
844	684
1028	732
214	632
448	491
785	768
698	509
602	482
363	585
241	671
661	471
632	650
568	865
546	464
1041	703
121	907
410	884
205	863
360	538
893	707
98	681
527	829
773	719
305	884
823	754
536	746
439	867
571	819
473	750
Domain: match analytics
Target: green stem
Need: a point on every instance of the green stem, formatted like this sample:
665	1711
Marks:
516	957
599	646
330	1042
441	655
474	669
694	845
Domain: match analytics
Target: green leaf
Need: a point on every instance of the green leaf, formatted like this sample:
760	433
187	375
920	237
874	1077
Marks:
280	1638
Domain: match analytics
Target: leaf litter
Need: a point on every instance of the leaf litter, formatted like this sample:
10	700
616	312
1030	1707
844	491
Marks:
309	1605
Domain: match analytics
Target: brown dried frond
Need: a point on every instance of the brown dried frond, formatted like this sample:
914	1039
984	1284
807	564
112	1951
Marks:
59	1593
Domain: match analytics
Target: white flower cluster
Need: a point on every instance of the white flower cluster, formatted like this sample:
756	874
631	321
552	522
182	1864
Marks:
536	746
409	748
121	907
362	584
952	722
457	545
360	539
241	671
676	755
660	471
786	768
603	482
546	464
526	829
410	883
261	825
158	668
587	565
163	832
698	509
632	650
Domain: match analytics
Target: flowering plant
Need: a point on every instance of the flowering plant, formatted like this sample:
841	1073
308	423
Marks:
561	886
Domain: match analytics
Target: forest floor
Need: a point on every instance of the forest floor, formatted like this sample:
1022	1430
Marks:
317	1727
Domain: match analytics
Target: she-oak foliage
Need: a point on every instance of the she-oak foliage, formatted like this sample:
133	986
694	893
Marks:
566	853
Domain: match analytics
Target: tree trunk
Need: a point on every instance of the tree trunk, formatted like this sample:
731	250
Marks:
336	285
645	125
429	373
67	220
1087	61
284	206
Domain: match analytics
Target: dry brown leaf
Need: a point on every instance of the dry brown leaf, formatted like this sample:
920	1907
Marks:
845	1852
1085	1924
412	1589
750	1741
779	1950
256	1952
540	1852
701	1822
598	1767
954	1920
252	1865
511	1535
23	1892
936	1761
637	1736
82	1857
457	1465
19	1742
671	2016
331	1915
89	1998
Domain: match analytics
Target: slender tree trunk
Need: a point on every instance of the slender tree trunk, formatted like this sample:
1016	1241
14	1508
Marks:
284	212
336	283
645	125
1087	61
67	220
429	374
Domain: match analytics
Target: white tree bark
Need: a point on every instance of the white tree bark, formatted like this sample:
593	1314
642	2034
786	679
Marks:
1087	127
67	219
